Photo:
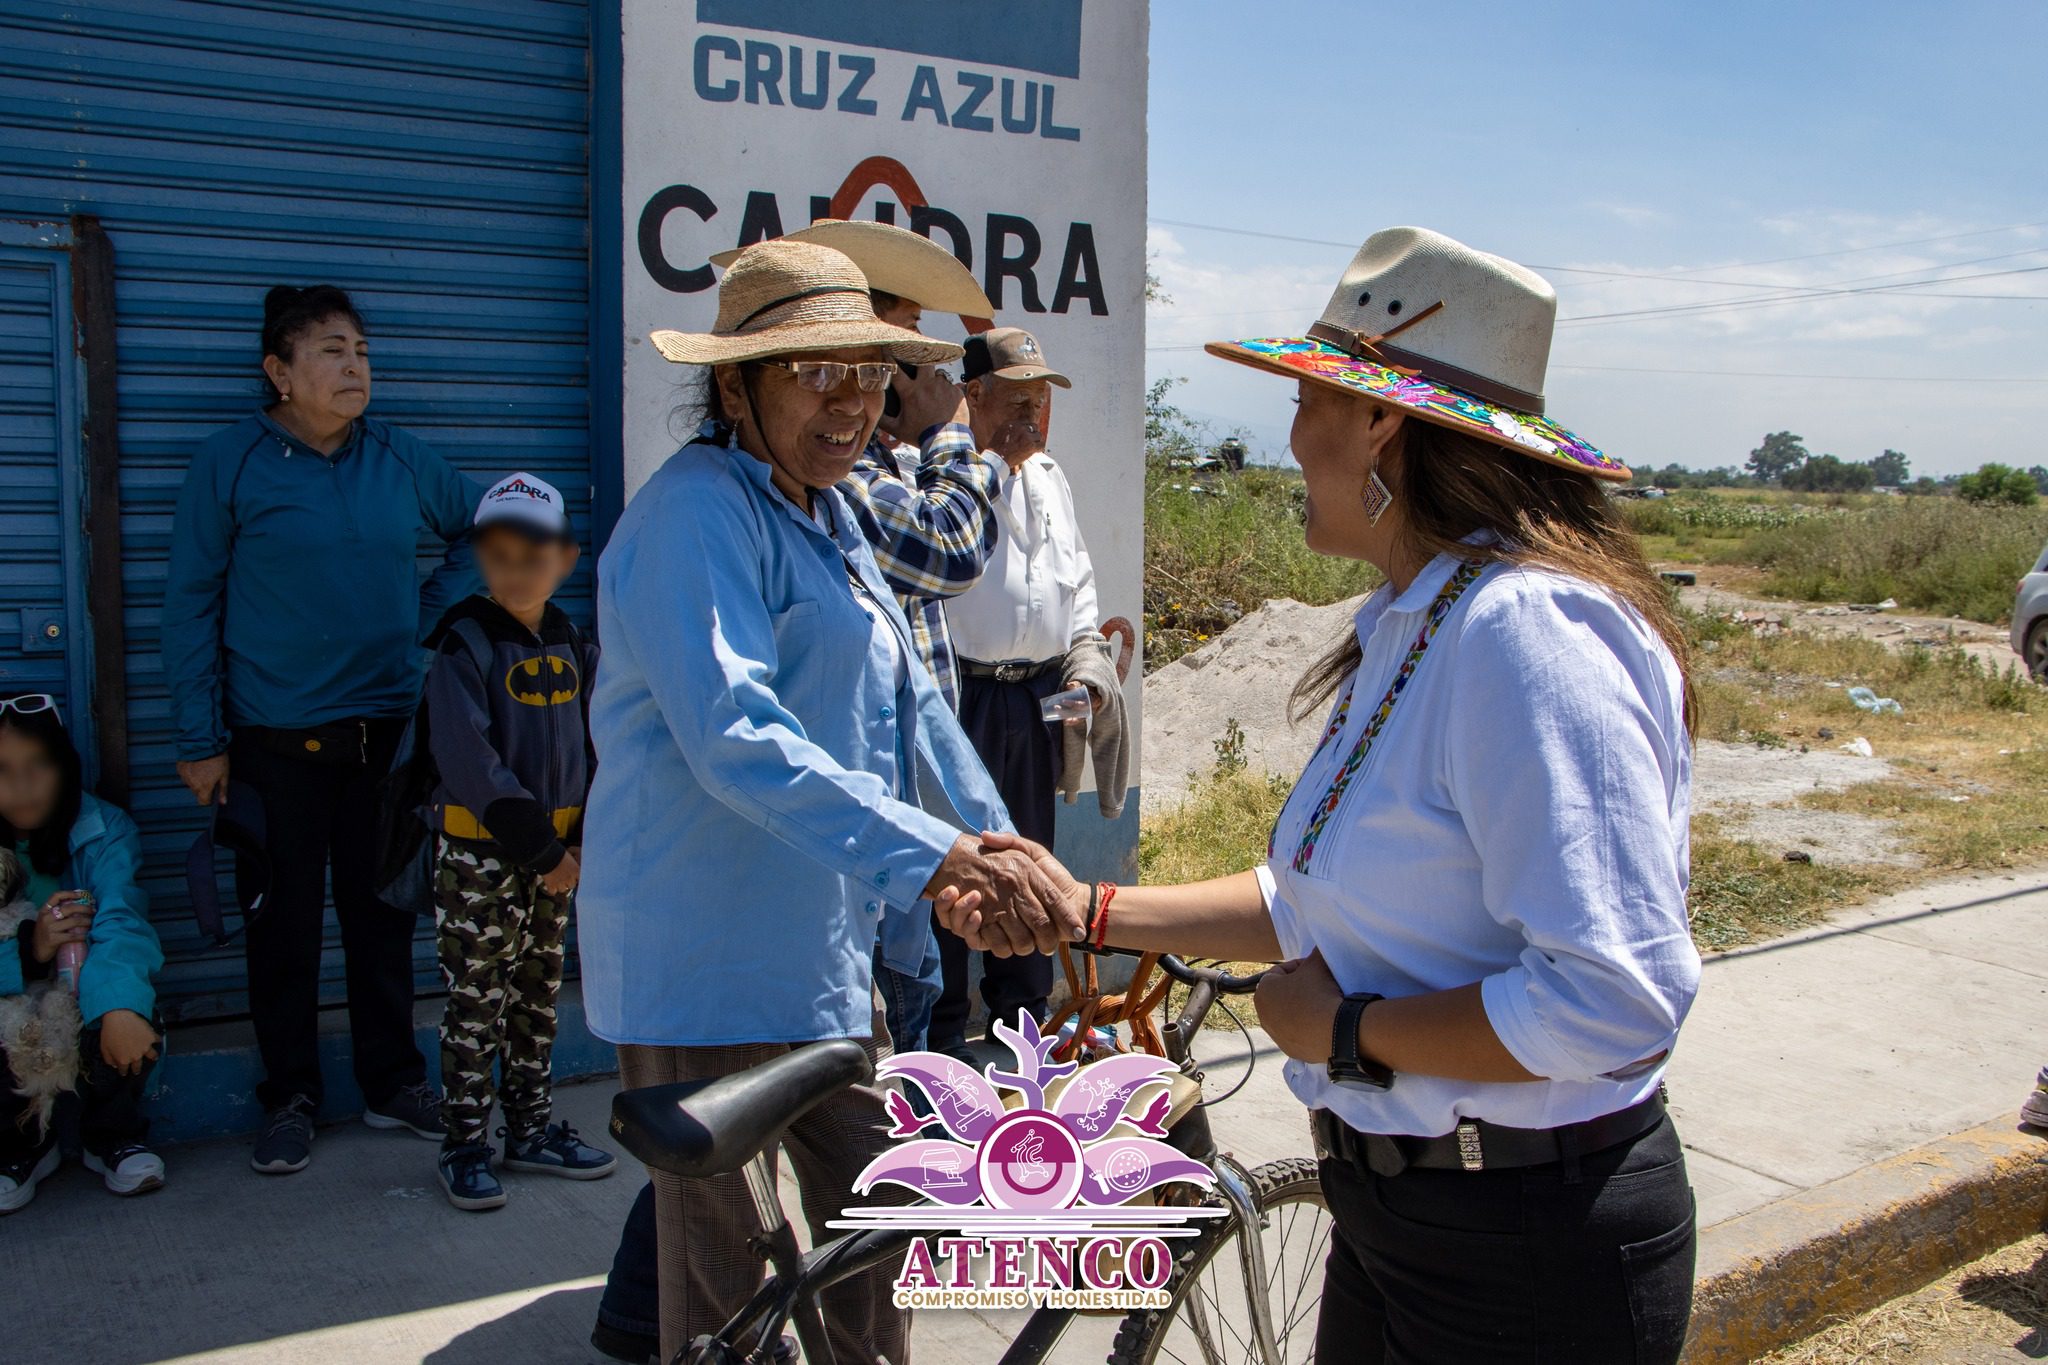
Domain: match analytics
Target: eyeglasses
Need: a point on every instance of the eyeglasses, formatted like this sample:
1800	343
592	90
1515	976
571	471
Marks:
28	704
823	376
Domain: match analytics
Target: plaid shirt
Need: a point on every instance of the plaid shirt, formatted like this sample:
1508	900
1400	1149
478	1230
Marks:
932	530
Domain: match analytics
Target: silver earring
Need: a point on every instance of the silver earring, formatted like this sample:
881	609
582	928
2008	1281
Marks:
1377	497
284	398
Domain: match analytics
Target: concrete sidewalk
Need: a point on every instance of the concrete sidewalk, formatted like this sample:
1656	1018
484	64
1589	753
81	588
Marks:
1805	1060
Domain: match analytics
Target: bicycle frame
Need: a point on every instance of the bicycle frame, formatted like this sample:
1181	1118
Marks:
790	1296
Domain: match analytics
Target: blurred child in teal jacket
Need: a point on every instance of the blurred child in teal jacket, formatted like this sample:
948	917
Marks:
69	864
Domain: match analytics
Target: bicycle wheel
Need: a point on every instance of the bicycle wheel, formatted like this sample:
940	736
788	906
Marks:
1209	1321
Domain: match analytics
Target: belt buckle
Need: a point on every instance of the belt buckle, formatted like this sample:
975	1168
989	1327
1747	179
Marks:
1471	1151
1009	673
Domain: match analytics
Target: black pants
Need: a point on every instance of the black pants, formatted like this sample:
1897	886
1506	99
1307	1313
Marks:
316	814
1544	1264
1021	752
109	1106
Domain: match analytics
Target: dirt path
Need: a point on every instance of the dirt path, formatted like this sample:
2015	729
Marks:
1728	590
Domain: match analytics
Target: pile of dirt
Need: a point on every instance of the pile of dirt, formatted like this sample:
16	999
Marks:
1244	675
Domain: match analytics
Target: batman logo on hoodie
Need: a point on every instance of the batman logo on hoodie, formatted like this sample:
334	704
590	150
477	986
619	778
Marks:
548	681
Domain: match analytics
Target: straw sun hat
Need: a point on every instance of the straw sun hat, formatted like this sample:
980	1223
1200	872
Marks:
1448	334
896	261
782	296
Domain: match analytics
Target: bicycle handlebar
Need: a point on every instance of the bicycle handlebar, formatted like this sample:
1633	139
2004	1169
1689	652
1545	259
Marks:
1224	982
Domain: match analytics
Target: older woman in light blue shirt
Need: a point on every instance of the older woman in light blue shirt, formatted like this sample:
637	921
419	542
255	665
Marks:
780	782
1478	883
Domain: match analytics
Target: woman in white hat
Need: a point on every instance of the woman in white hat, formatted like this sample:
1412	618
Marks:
754	829
1478	884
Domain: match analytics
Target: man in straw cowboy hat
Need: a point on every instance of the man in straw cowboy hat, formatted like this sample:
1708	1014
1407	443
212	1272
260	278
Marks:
1026	630
757	825
1477	889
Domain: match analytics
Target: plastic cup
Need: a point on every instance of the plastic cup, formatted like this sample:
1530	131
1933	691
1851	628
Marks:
1069	707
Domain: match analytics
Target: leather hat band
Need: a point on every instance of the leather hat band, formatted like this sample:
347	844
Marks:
1408	362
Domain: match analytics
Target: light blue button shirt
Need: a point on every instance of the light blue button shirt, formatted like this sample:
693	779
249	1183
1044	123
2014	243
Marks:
745	841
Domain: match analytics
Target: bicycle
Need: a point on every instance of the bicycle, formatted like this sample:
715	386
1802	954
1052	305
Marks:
1256	1305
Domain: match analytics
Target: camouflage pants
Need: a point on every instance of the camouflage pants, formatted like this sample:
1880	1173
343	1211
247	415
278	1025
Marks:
501	955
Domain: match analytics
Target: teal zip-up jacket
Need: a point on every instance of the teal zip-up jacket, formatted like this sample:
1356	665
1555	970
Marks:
123	956
294	595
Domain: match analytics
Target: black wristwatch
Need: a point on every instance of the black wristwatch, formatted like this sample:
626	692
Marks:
1347	1067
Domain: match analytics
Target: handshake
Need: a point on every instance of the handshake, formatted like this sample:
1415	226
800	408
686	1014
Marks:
1008	895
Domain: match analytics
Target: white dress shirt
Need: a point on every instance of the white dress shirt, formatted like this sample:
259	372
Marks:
1521	821
1038	590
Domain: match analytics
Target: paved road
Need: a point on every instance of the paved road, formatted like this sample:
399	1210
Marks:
1804	1059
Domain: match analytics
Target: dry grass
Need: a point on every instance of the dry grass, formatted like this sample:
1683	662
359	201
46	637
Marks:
1971	751
1998	1302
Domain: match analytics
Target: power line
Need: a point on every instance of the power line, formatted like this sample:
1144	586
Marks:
1817	292
1850	378
1685	277
1759	374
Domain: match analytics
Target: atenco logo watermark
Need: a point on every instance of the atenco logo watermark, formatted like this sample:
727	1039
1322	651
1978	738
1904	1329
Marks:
1043	1194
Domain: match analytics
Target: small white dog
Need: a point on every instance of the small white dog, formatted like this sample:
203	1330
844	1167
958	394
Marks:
39	1027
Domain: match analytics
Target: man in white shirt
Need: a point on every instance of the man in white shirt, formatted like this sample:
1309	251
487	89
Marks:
1012	631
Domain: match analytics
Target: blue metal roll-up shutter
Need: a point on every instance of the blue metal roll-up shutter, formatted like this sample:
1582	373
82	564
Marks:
430	157
45	639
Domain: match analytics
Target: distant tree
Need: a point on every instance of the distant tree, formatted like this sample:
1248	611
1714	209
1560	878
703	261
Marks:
2039	474
1891	468
1922	487
1998	483
1779	455
1826	474
1155	291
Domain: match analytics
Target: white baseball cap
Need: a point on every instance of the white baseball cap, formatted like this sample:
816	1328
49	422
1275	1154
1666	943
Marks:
527	503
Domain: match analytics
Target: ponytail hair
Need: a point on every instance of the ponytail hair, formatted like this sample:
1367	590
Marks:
290	312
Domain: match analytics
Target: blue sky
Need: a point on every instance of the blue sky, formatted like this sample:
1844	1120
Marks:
1706	142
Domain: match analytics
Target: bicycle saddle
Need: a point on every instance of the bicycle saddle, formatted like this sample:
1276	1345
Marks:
711	1127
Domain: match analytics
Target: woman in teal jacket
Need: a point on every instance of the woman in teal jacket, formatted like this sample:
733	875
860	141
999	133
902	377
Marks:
68	868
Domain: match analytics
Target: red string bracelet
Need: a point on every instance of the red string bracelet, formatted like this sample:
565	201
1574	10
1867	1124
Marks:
1107	892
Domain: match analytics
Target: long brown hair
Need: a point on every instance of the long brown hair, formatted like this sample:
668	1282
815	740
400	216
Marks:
1542	515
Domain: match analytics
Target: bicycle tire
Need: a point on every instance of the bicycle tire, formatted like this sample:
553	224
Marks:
1143	1334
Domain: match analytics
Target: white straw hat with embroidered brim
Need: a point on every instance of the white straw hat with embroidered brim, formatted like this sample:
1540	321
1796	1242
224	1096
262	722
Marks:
896	261
781	297
1448	334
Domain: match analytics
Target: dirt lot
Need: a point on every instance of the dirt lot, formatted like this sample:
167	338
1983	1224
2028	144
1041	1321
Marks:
1990	1312
1728	589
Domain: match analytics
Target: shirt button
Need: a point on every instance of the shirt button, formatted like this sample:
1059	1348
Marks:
874	907
882	877
887	712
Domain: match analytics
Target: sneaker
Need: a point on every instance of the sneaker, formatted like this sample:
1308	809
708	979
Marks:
133	1169
556	1150
466	1175
417	1109
2035	1111
18	1179
286	1146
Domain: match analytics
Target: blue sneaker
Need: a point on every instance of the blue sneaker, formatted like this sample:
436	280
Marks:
466	1175
556	1150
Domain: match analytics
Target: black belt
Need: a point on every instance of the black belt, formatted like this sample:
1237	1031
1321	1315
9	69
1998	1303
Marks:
1013	672
1476	1145
337	742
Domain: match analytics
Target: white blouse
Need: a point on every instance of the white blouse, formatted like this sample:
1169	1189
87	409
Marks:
1520	820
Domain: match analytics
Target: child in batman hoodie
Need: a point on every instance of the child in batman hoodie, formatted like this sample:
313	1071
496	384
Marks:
506	719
